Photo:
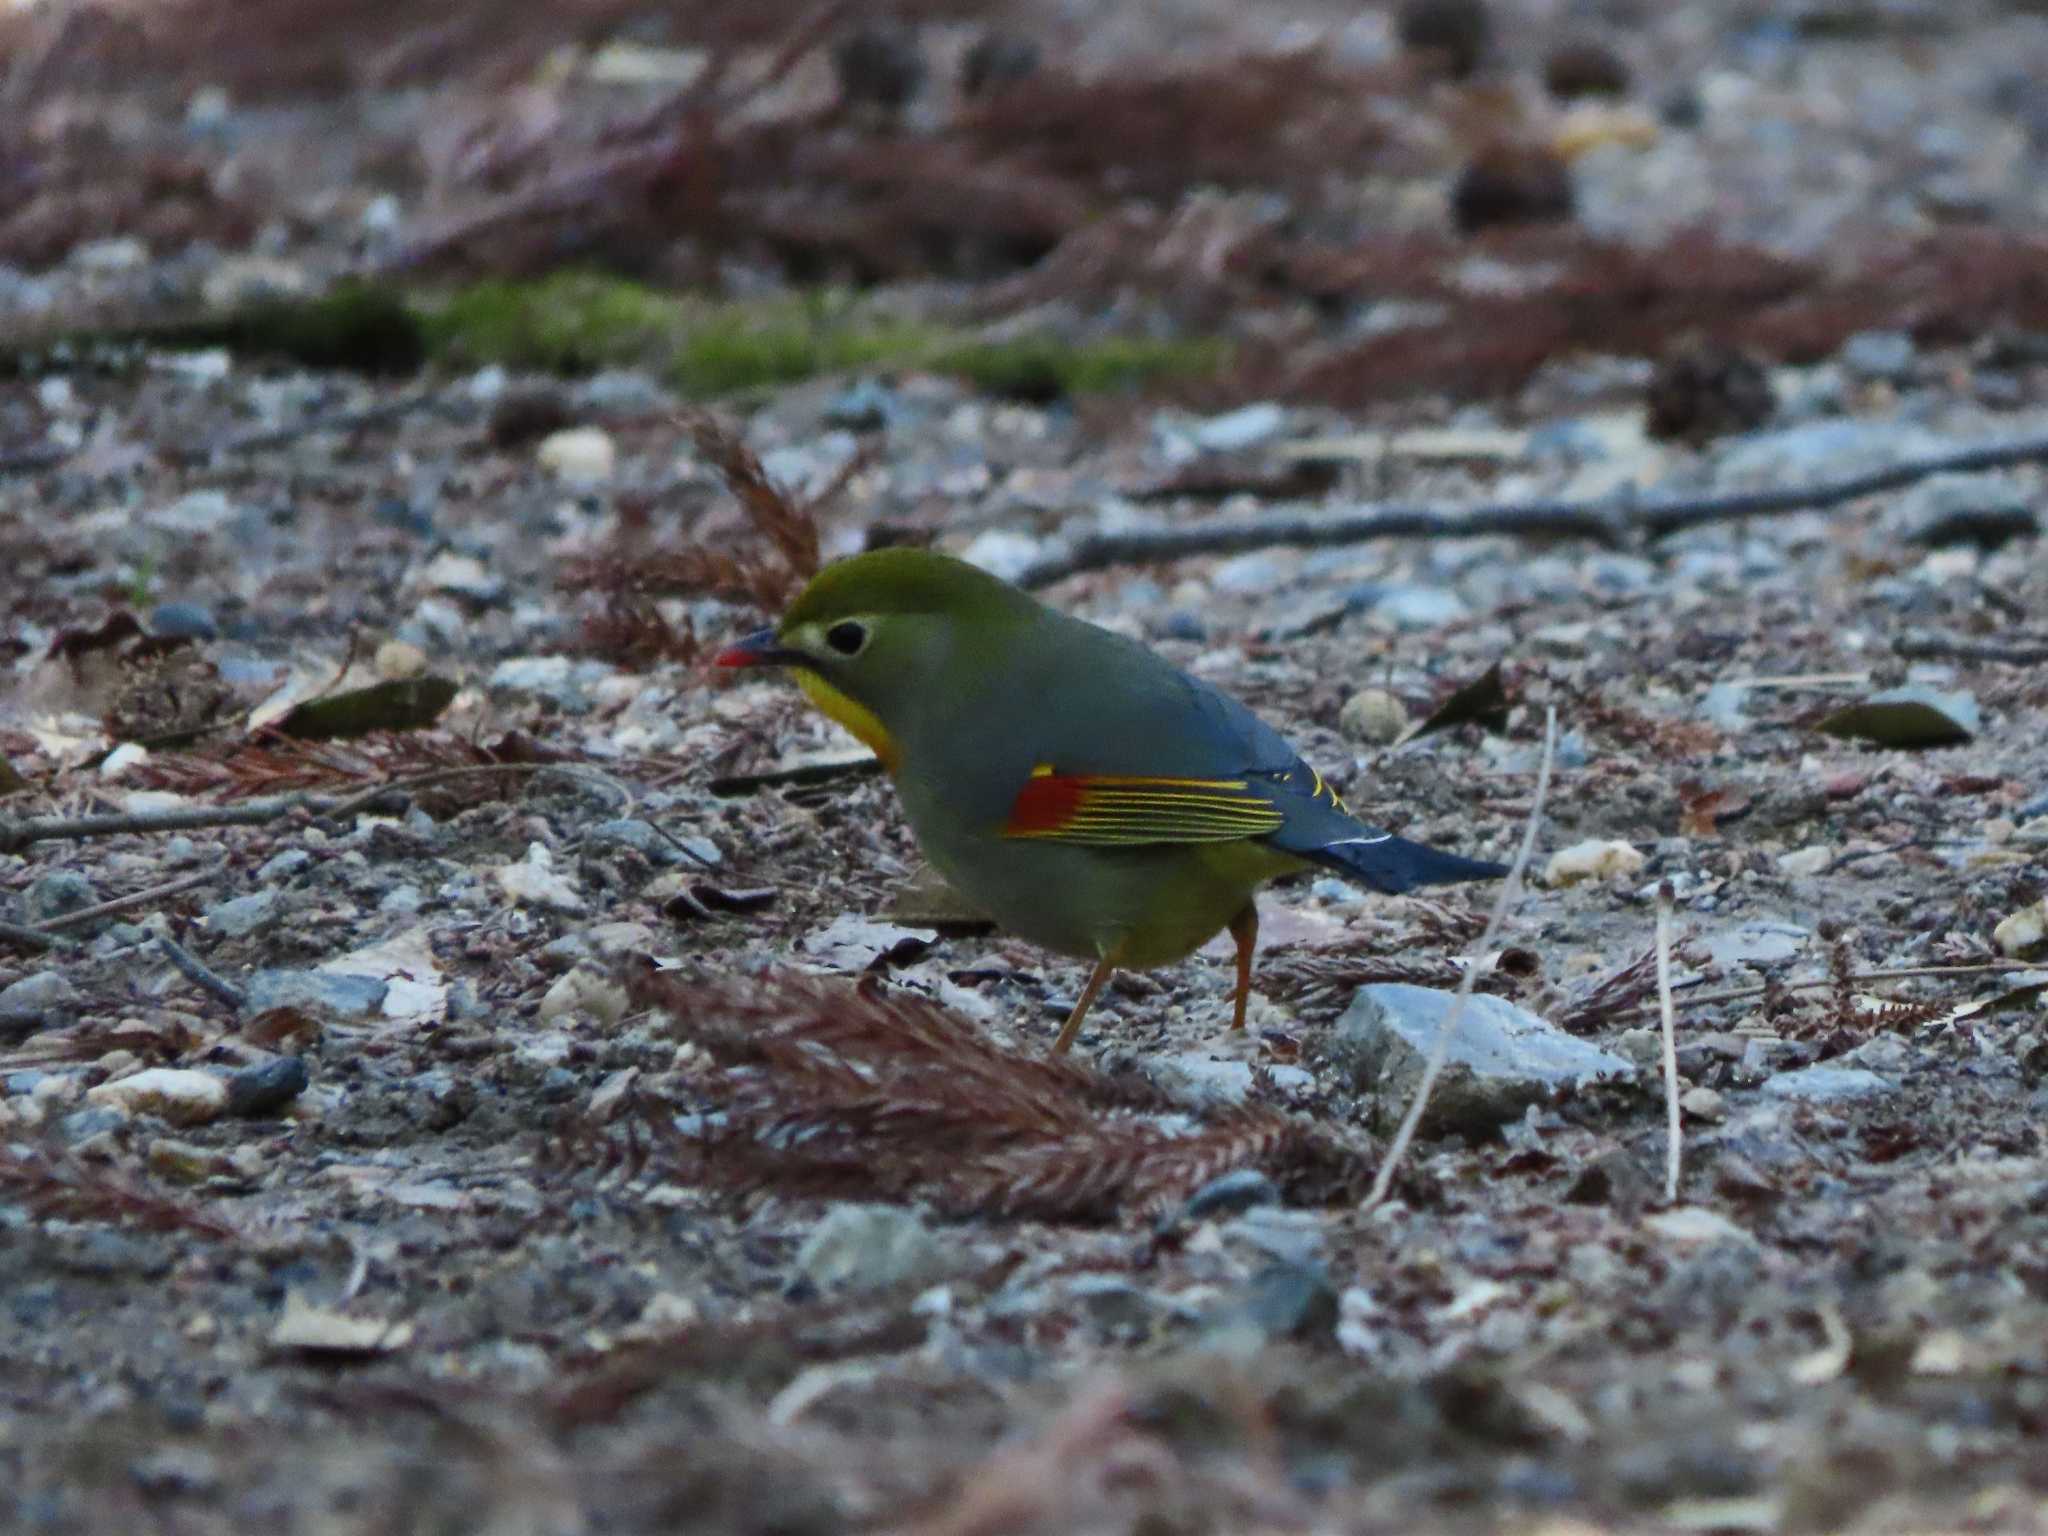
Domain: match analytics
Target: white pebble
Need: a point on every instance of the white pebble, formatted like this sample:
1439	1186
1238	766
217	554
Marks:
578	455
1592	860
584	991
536	882
179	1096
1806	861
2025	930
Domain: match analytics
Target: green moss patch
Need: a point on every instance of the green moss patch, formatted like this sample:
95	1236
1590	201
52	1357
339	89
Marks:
573	323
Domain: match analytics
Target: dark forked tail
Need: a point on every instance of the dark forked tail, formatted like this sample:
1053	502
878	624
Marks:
1393	864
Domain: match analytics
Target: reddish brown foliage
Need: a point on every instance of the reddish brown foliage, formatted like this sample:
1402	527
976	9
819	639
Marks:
54	1184
823	1089
783	556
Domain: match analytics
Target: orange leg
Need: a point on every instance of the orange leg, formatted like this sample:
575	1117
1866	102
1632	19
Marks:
1244	928
1103	969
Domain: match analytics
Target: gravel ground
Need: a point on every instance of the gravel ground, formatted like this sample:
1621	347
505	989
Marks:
458	1158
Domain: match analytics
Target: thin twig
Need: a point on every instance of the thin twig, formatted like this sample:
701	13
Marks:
1903	973
1440	1048
473	770
17	835
32	938
276	437
1933	647
195	972
136	899
1608	521
1672	1145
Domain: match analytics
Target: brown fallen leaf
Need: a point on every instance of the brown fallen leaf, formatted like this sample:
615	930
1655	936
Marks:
404	704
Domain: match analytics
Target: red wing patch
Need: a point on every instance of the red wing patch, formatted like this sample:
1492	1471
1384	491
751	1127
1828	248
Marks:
1120	810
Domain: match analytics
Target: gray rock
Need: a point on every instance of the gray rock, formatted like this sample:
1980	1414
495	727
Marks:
199	513
1283	1301
1767	1056
84	1124
643	837
1419	607
1834	446
869	1248
1886	355
19	1085
243	915
344	997
1827	1085
1114	1305
1982	509
1198	1079
553	680
291	862
37	1001
1501	1060
183	621
1230	1193
866	405
59	892
624	390
1263	570
1245	427
1722	705
266	1087
1762	940
1275	1232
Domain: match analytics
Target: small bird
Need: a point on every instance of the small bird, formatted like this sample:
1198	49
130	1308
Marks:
1081	791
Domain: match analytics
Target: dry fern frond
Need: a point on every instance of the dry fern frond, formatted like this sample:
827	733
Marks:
52	1183
818	1088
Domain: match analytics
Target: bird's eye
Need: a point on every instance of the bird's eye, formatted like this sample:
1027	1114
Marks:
847	638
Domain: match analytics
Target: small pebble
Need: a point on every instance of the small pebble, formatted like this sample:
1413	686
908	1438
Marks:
60	892
1593	859
181	1096
183	621
1373	716
1801	862
585	991
1703	1104
399	659
267	1087
578	455
37	1001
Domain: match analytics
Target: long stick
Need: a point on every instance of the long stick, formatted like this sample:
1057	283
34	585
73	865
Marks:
1608	521
1440	1048
1671	1126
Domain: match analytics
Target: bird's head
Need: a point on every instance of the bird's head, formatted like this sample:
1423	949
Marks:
872	636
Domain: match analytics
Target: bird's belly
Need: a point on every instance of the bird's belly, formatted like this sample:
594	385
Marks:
1145	906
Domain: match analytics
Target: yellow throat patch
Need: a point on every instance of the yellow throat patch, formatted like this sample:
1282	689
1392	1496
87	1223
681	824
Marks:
857	718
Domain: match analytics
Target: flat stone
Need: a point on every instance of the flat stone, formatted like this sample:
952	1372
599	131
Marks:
1373	716
57	894
1201	1080
859	1248
1501	1060
320	992
183	621
1826	1085
267	1087
1227	1194
1985	509
37	1001
243	915
535	882
1766	941
180	1096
